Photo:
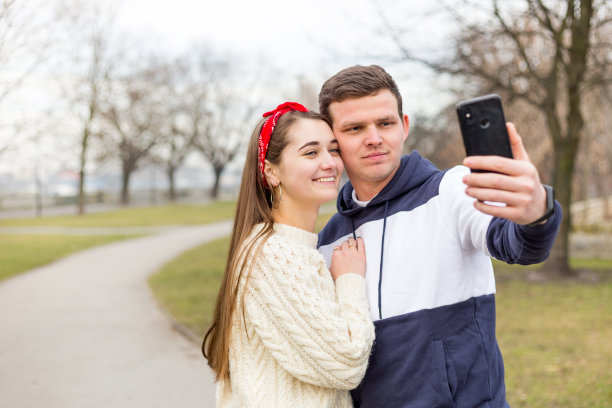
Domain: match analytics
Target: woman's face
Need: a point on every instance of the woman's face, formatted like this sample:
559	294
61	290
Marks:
310	165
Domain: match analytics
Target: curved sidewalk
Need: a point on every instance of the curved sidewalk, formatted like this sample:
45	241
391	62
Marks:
86	331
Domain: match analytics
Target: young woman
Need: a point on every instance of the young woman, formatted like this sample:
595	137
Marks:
286	331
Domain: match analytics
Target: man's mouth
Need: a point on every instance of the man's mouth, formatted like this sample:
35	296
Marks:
374	155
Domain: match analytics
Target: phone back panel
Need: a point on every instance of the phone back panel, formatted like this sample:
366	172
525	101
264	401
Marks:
483	127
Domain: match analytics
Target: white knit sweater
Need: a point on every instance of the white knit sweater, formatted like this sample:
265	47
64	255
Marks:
302	341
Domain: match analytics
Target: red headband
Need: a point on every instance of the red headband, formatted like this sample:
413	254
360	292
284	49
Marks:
268	128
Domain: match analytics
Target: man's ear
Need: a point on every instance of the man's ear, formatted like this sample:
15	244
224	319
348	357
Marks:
406	125
272	173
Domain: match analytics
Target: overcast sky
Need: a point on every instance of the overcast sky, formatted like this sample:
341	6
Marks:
315	39
291	33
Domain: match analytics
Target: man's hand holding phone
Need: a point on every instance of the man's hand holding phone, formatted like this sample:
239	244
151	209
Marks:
515	182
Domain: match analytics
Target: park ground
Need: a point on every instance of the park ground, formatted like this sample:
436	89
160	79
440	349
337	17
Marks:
554	335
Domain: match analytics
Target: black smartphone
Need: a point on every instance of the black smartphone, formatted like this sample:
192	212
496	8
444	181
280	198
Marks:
483	127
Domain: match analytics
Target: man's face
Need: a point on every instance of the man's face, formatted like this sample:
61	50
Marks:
370	134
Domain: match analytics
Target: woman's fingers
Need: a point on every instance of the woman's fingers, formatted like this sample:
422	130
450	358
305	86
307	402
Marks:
351	243
360	246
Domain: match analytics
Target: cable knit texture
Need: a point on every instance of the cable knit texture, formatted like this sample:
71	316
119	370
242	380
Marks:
302	341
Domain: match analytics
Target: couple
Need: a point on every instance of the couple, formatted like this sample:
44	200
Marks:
289	332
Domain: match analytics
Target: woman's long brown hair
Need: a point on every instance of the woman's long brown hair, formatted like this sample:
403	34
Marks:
253	207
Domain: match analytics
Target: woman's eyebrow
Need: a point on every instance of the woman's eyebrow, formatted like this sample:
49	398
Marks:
313	143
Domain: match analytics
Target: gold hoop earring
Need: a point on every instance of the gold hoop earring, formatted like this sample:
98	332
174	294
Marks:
280	196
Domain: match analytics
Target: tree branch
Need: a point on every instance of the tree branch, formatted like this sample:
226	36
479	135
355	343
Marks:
515	38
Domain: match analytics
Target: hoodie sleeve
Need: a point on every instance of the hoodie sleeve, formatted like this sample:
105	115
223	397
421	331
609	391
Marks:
497	237
460	217
514	243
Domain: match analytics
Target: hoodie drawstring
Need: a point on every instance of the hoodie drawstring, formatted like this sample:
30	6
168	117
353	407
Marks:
382	251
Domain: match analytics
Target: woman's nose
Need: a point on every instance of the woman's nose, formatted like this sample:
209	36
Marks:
328	161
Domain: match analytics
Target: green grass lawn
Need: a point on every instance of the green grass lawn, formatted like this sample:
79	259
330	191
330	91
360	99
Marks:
188	285
142	216
20	253
556	338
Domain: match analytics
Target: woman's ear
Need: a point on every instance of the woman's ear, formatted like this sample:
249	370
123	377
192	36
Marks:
272	173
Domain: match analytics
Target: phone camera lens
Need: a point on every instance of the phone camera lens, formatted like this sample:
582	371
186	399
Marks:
484	123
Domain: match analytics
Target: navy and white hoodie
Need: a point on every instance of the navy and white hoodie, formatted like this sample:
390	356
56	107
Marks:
431	287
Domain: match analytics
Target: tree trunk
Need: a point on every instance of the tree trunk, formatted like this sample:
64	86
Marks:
214	193
83	158
558	262
81	196
566	146
564	162
170	171
125	185
84	146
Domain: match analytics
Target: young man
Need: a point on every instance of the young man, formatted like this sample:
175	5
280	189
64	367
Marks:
429	236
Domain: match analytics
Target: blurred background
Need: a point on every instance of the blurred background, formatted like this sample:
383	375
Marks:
126	101
106	103
124	118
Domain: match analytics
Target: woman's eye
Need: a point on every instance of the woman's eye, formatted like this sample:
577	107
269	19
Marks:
335	150
310	153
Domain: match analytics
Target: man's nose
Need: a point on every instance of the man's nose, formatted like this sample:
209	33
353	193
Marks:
372	136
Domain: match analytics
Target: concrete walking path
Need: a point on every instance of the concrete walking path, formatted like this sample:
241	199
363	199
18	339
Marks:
87	230
86	331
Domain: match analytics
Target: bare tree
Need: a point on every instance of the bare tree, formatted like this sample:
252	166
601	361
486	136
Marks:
89	29
593	164
436	137
178	147
177	136
219	108
547	54
305	91
26	38
134	110
223	133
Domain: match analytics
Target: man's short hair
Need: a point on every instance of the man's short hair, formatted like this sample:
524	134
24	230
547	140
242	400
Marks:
356	82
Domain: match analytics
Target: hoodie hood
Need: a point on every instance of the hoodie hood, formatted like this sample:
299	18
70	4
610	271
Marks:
413	171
